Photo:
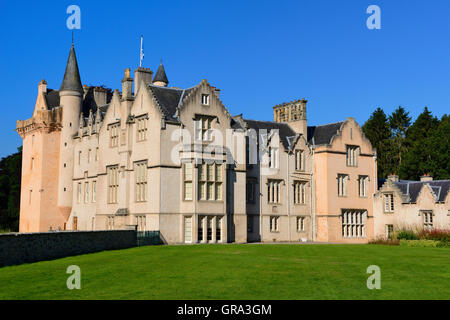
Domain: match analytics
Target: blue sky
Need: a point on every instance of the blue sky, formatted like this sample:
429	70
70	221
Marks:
259	53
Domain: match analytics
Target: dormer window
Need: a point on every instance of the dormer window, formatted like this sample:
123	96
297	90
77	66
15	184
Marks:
205	99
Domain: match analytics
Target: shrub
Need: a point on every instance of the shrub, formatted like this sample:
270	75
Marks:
407	235
383	240
420	243
435	234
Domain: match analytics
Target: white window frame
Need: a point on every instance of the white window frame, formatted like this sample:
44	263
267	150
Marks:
113	183
352	155
188	181
140	179
353	223
363	185
210	179
114	135
274	191
300	224
299	192
342	181
388	200
205	99
300	160
274	224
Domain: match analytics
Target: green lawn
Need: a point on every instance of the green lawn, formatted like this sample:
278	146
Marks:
238	272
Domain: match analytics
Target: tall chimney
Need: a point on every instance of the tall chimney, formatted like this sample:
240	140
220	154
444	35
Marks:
142	74
426	177
127	84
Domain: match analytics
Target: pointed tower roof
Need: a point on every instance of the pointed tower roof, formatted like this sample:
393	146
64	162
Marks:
72	80
161	75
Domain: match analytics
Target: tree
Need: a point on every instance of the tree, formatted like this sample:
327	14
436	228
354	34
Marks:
10	178
418	158
377	130
399	122
439	145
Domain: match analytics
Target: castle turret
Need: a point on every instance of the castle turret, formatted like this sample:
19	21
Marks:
294	113
71	98
161	77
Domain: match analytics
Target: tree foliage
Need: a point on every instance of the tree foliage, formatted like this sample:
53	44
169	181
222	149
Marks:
10	176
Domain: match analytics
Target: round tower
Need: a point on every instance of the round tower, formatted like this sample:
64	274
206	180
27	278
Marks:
71	98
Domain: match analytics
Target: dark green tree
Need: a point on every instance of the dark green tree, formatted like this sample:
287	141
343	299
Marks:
399	122
418	158
377	130
439	145
10	177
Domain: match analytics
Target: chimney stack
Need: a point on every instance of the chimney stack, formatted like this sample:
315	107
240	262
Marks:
127	84
393	177
142	74
426	177
42	86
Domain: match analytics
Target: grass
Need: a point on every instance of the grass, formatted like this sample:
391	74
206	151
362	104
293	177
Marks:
237	272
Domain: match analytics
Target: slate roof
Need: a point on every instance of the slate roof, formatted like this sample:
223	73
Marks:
412	189
285	131
161	75
323	134
72	79
169	99
52	98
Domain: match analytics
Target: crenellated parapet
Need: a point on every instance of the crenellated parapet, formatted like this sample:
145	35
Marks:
46	120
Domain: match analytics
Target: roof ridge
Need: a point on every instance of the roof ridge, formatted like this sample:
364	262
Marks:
322	125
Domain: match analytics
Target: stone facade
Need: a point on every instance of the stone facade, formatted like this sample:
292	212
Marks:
175	160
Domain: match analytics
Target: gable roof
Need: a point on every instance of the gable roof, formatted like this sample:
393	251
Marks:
284	130
411	189
169	99
323	134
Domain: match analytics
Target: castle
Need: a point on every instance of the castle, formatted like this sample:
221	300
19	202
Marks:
154	157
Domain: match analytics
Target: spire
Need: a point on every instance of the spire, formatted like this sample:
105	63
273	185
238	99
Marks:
72	80
161	76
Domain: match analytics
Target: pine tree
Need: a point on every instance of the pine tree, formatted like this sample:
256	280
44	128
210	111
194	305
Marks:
418	158
399	122
376	129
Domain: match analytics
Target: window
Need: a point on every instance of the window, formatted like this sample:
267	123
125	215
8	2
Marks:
86	192
200	229
354	224
363	182
342	185
218	229
79	192
140	174
274	191
140	223
141	129
389	231
273	158
205	99
94	191
250	191
110	223
113	184
187	175
299	160
427	220
352	156
209	229
114	135
210	181
203	127
299	192
274	224
300	224
389	202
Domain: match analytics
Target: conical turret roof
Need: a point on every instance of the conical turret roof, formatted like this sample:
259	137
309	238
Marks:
160	75
72	81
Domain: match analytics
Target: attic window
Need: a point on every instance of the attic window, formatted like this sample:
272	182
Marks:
205	99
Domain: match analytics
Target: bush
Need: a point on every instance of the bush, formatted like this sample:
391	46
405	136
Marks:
383	240
423	243
407	235
436	234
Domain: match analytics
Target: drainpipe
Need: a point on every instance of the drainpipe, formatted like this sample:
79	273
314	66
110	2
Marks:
313	198
288	202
